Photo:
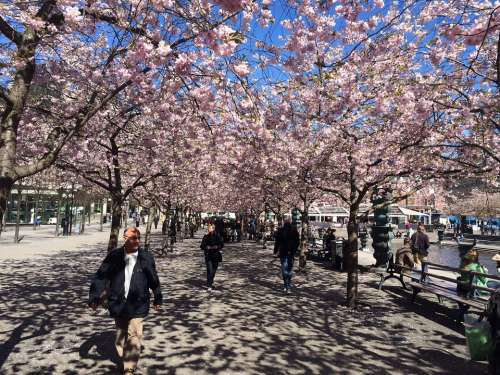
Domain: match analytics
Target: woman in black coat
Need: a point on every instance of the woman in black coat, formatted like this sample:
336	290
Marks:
211	244
286	246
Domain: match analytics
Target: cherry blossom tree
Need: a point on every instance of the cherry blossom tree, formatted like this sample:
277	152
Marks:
63	63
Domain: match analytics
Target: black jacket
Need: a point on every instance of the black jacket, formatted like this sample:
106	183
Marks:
419	243
144	277
211	244
287	241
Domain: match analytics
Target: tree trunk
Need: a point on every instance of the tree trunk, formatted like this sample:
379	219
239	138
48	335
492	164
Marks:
124	219
304	235
58	215
147	237
280	219
82	225
244	225
116	216
3	221
351	258
5	188
72	207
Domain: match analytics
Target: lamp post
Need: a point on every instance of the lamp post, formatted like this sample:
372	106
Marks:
380	230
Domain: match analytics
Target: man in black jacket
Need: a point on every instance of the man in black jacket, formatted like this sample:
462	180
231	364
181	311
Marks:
286	246
130	272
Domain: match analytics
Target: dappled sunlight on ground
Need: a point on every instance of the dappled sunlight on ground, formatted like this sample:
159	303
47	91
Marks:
246	326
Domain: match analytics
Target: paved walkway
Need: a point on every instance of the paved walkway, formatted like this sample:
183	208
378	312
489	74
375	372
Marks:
246	326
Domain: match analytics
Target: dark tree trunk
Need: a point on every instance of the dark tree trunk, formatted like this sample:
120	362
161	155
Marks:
82	224
72	207
6	184
304	236
351	259
147	237
116	215
58	213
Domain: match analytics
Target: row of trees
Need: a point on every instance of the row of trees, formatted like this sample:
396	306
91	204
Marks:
198	106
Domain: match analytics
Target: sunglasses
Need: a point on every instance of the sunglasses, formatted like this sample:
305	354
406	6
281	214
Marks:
133	238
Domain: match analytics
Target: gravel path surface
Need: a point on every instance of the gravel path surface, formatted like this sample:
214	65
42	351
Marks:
246	326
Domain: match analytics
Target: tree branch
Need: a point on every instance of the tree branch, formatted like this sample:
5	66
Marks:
9	32
5	96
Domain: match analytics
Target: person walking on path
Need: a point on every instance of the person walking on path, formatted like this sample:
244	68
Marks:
286	246
173	231
130	272
419	243
211	244
156	221
238	228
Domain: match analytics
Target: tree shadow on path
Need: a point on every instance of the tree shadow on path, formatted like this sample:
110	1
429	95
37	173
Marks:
246	326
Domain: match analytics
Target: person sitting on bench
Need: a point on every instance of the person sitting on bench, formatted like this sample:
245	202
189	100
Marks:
404	257
471	263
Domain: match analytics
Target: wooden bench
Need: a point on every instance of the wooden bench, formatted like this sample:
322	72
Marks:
445	287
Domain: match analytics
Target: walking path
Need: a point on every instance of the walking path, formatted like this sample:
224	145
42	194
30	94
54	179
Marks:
246	326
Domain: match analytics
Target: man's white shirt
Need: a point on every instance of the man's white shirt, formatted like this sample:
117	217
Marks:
130	261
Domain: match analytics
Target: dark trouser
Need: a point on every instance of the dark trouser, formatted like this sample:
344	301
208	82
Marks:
286	270
212	265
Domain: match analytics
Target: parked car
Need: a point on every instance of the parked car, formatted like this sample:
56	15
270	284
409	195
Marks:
52	220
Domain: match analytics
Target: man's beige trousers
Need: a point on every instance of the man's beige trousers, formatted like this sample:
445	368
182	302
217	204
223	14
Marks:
128	341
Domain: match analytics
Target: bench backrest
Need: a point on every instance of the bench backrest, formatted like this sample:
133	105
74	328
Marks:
473	291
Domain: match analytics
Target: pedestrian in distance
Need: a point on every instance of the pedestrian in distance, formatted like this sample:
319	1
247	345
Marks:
156	221
328	240
65	226
130	272
172	231
212	244
419	243
286	247
239	230
164	227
